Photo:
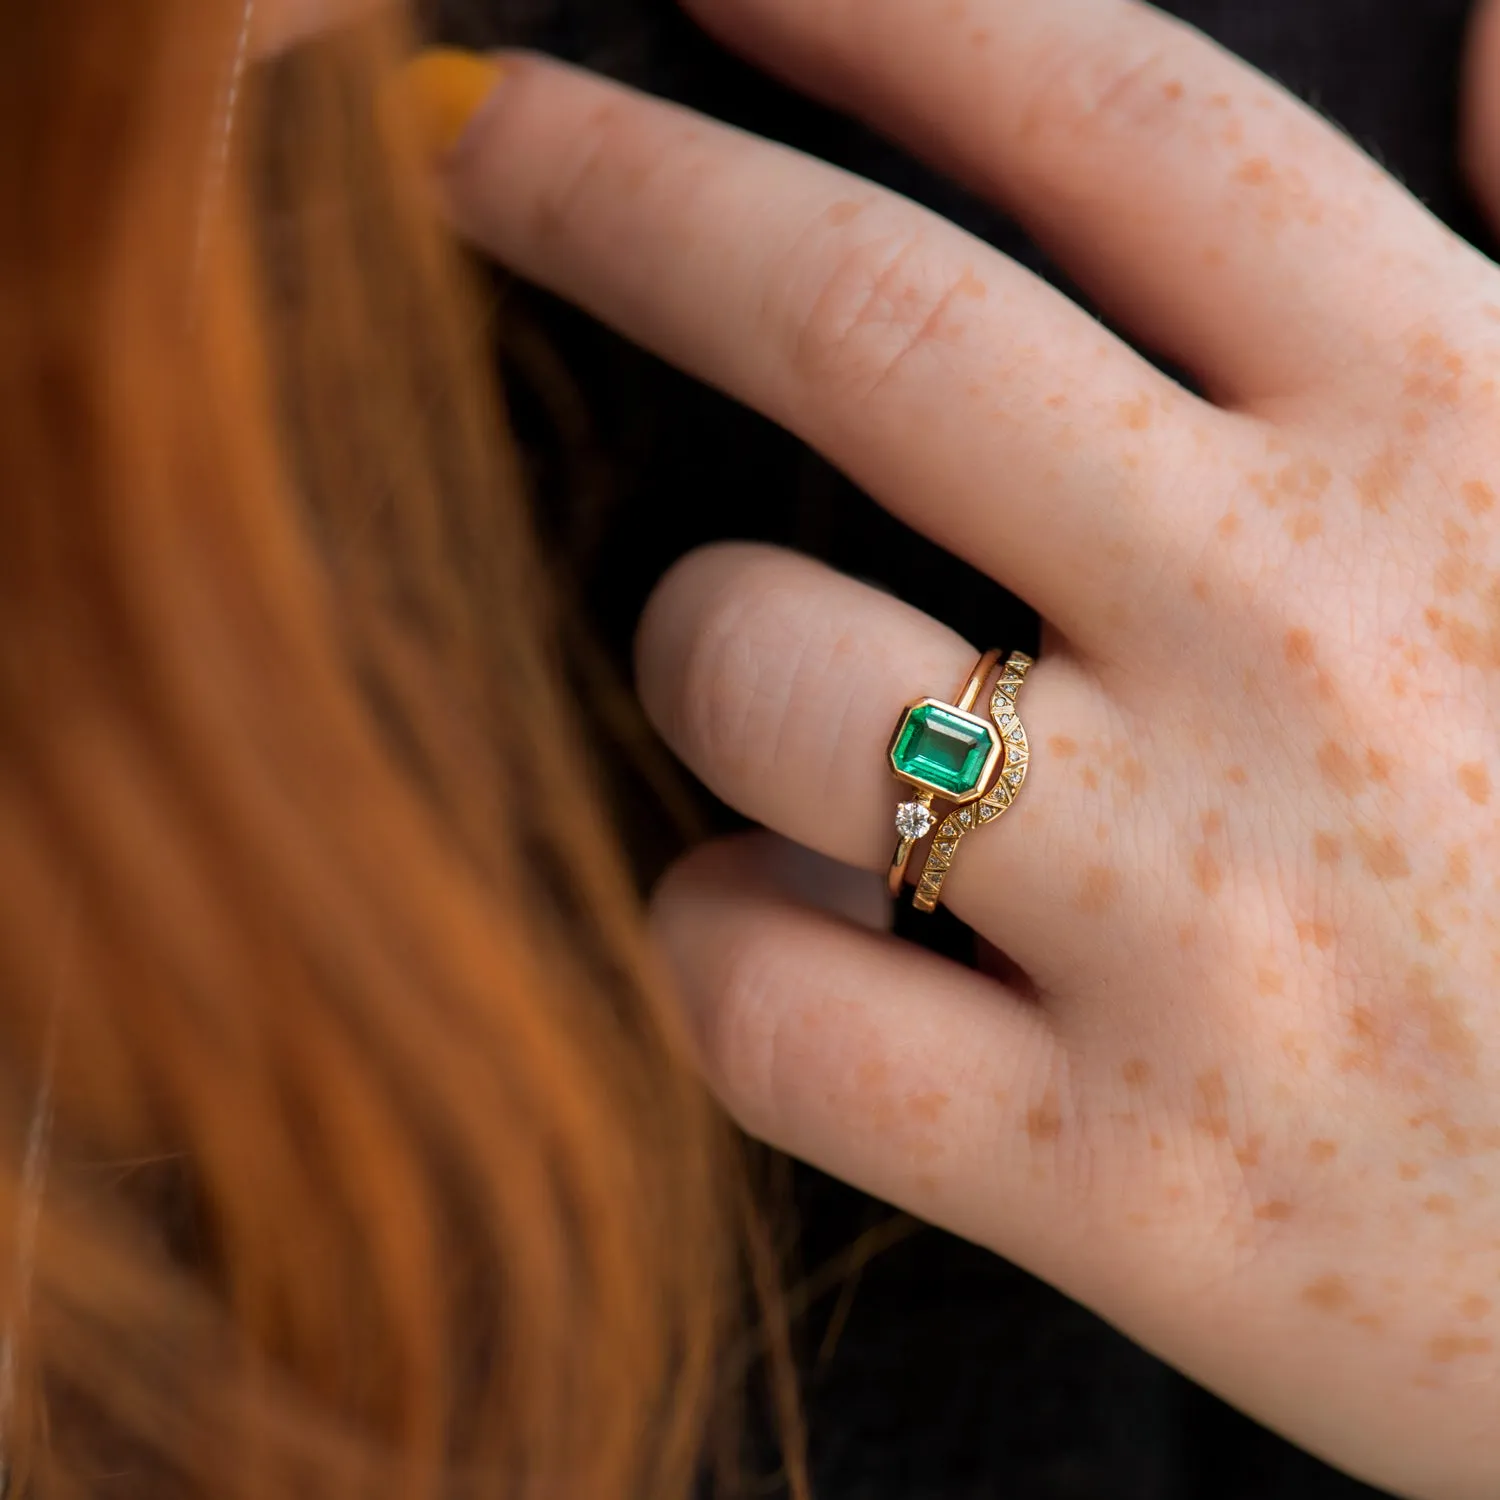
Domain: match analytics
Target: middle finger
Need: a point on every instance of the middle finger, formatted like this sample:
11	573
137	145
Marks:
965	394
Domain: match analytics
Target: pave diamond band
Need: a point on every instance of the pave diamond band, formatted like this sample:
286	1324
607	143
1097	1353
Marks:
946	750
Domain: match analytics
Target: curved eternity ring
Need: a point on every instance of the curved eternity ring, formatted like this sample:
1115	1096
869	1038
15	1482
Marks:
945	750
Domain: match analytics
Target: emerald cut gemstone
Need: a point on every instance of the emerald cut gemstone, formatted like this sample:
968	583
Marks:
939	747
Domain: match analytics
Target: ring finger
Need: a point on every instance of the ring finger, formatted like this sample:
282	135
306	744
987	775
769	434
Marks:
779	682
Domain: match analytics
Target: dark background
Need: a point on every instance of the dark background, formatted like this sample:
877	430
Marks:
937	1371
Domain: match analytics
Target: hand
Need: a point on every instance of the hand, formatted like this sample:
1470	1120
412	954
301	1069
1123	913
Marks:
1247	1102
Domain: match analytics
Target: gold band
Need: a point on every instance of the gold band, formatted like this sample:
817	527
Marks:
968	696
1000	796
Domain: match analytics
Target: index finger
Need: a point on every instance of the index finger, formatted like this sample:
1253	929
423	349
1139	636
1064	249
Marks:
962	392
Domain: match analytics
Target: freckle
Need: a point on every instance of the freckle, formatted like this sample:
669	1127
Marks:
872	1074
1201	590
1214	257
1270	982
1136	414
1229	523
1393	1285
980	40
1304	527
1338	768
1478	496
1062	746
1328	1294
1099	890
926	1182
1133	772
1237	776
1408	1171
1213	1101
1207	875
1415	423
1326	849
1187	936
1057	401
1136	1072
1090	778
1474	1307
1428	931
1211	822
1255	172
1221	101
1380	481
1320	1153
1298	648
1373	1321
1475	781
1460	870
1157	1144
1044	1122
1383	857
1447	1347
969	285
1380	766
843	213
1248	1155
1233	134
1452	575
1439	1203
1277	1210
927	1107
1138	1221
1317	933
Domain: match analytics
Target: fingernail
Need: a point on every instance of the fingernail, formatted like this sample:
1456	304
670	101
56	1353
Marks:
444	88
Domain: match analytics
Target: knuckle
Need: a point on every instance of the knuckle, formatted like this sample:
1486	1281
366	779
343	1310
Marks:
734	686
741	1041
1108	84
876	302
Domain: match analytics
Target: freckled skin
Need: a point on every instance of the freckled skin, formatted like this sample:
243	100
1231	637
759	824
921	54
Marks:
1474	778
1044	1122
1099	890
1329	1294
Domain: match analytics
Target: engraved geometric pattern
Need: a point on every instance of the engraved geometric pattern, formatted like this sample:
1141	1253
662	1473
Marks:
997	800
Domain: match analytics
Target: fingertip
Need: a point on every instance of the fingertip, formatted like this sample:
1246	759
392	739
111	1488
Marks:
445	91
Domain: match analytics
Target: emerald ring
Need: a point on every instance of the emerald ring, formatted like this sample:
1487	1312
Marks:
945	750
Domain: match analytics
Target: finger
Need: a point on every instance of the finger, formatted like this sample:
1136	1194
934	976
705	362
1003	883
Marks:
970	398
779	682
1481	108
1221	218
926	1084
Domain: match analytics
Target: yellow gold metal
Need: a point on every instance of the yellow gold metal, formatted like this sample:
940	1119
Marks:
968	696
995	802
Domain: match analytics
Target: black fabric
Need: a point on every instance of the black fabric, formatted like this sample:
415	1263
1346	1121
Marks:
954	1376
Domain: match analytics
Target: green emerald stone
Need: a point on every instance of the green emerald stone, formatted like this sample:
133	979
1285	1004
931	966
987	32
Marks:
942	749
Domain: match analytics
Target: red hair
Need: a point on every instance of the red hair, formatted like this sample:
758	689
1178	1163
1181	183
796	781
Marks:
377	1164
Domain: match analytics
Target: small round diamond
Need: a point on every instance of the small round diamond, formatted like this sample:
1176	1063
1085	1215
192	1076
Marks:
913	821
